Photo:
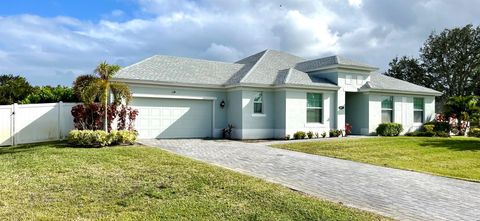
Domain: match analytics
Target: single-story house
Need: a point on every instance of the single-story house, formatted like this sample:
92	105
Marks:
270	94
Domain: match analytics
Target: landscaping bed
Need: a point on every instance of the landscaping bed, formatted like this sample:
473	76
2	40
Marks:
56	182
457	157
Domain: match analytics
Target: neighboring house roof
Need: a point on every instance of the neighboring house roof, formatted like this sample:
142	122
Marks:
266	68
381	82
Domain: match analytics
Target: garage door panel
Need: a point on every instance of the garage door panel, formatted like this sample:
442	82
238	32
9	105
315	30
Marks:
173	118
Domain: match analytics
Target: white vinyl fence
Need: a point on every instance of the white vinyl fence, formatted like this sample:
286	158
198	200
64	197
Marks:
31	123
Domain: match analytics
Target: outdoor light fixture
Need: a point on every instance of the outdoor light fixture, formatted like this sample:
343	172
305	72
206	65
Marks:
341	107
222	104
174	92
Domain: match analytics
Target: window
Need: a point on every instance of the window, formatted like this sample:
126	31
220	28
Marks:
314	108
258	103
359	79
387	110
348	79
418	109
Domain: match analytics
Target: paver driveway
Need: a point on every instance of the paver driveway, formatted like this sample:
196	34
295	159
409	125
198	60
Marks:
395	193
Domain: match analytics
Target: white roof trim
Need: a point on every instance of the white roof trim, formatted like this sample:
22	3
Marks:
173	97
400	92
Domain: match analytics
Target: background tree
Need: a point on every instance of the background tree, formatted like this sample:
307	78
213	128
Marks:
13	89
49	94
450	61
409	69
99	87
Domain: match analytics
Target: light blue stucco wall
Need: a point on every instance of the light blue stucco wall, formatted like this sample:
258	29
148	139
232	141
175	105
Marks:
356	112
258	126
234	112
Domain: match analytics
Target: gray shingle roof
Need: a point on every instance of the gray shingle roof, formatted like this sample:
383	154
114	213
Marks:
181	70
385	83
267	68
329	61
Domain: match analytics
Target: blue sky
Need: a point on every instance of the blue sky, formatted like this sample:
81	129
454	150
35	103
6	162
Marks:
85	9
51	42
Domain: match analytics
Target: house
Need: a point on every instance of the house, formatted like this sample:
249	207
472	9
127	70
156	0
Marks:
270	94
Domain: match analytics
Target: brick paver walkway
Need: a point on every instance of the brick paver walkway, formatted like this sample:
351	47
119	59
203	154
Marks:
399	194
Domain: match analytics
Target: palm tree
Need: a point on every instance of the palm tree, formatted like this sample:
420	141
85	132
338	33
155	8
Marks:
91	88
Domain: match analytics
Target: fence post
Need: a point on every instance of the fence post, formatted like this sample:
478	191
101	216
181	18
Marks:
60	123
13	123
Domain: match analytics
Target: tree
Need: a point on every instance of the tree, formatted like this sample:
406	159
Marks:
449	62
100	87
452	57
409	69
49	94
13	89
463	108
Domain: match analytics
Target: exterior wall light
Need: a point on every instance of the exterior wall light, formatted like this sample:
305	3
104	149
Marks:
222	104
341	107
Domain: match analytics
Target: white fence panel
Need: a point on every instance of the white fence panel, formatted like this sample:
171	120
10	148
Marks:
6	125
36	123
31	123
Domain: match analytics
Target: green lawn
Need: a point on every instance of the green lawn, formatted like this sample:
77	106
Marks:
457	157
56	182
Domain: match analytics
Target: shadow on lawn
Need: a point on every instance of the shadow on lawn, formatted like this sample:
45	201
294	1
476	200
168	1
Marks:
453	144
28	147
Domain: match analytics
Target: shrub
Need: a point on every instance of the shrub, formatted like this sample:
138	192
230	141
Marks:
123	137
429	128
310	134
335	133
299	135
389	129
439	126
348	129
474	132
324	134
90	116
89	138
287	137
100	138
316	135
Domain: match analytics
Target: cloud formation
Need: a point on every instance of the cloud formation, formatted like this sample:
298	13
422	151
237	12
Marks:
53	50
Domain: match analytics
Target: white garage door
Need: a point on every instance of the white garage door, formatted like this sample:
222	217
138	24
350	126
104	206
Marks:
173	118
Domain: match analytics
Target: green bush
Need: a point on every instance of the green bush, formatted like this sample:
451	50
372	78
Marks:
335	133
310	134
89	138
389	129
429	128
442	134
324	134
100	138
474	132
123	137
299	135
439	126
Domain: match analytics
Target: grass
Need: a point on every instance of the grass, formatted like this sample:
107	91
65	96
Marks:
55	182
457	157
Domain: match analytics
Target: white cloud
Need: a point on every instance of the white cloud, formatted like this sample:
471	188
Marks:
53	50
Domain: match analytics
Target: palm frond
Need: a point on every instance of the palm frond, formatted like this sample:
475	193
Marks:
120	92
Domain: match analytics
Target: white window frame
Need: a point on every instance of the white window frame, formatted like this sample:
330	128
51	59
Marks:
419	110
259	93
315	108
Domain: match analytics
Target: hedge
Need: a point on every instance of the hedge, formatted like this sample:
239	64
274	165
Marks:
389	129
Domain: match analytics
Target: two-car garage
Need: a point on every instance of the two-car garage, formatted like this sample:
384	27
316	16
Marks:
173	117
